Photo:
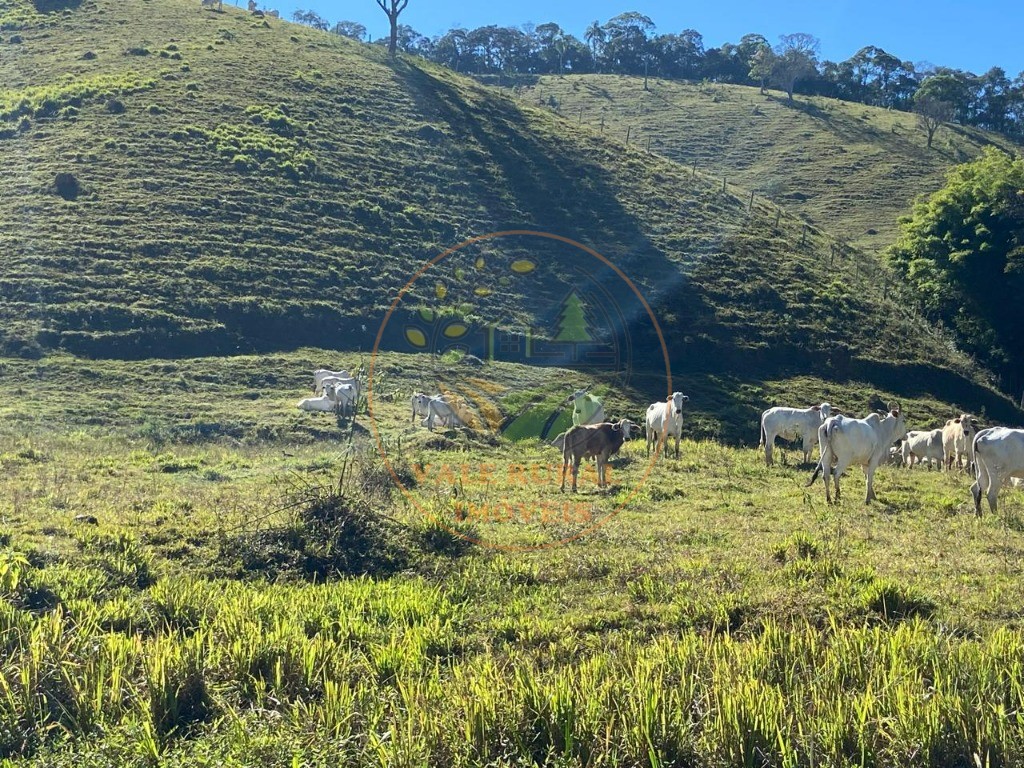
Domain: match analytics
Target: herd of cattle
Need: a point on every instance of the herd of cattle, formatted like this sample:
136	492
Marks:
995	455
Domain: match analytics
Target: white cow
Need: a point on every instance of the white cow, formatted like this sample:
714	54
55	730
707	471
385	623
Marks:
663	419
998	458
322	373
586	409
344	396
958	441
844	442
439	410
923	446
419	402
338	381
321	403
792	424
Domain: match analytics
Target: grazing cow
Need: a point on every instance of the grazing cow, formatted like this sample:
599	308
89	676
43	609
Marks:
664	419
321	403
598	441
792	424
252	6
957	441
844	442
923	446
586	409
998	458
322	373
218	4
439	410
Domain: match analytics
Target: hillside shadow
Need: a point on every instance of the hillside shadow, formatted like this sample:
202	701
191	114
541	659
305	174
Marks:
53	6
539	180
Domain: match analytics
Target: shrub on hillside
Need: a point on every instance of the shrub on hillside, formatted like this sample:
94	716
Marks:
66	185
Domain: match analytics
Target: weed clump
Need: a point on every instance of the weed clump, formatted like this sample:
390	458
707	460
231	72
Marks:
66	185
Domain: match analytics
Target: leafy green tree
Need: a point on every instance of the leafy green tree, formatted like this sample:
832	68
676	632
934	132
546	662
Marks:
962	251
796	58
626	41
931	113
350	29
762	64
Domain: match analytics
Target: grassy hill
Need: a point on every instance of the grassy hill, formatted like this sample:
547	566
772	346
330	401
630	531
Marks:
848	168
188	182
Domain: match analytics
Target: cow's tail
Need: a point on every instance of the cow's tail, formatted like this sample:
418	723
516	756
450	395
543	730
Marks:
764	437
826	450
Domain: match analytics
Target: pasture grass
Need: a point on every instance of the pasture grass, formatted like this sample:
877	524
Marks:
723	615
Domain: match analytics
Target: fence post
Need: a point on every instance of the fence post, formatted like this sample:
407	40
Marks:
648	145
629	129
581	115
602	123
750	207
778	215
723	184
694	174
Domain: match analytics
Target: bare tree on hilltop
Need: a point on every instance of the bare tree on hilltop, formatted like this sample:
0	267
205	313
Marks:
393	8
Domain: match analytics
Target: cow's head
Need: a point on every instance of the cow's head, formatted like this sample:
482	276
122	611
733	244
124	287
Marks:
626	427
677	400
824	410
576	396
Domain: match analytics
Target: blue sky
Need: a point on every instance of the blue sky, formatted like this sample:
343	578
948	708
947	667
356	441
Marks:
966	35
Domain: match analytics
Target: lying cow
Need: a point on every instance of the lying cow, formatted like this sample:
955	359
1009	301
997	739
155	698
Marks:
845	441
998	459
598	441
920	446
663	419
792	424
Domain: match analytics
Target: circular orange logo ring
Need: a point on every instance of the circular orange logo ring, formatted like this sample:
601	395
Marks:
376	348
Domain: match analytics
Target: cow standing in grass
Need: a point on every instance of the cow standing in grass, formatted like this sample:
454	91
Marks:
845	442
598	441
998	459
792	424
664	419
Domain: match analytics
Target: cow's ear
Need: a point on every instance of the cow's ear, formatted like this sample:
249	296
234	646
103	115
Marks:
956	420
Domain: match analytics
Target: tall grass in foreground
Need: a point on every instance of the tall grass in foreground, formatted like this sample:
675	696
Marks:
375	673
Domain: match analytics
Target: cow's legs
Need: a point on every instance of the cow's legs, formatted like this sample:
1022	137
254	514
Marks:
869	472
981	483
769	446
677	447
565	464
995	482
840	468
575	472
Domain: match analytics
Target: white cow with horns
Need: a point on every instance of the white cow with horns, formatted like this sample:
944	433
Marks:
998	459
792	424
845	441
663	419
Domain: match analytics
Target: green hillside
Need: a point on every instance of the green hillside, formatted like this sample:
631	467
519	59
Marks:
848	168
186	182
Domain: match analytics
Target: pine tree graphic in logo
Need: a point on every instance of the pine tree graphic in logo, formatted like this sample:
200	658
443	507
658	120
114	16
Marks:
572	322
